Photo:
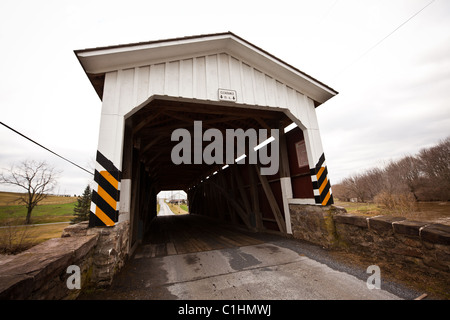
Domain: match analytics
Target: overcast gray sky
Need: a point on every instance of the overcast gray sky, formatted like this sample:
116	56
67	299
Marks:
393	99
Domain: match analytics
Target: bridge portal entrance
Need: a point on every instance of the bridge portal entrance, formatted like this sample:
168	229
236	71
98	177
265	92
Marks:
171	109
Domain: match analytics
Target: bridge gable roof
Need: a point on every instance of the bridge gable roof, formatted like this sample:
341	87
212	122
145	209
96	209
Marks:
96	62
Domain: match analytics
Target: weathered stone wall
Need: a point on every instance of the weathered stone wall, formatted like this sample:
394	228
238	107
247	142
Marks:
412	244
314	223
111	251
41	271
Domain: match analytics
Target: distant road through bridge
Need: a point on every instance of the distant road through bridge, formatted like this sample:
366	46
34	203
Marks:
164	209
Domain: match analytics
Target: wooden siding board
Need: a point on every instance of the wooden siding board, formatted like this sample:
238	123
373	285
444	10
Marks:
247	81
260	92
212	77
126	91
172	78
200	76
186	78
281	92
156	80
143	79
236	78
271	91
223	71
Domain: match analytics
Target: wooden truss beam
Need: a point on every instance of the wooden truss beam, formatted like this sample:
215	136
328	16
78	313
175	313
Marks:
272	201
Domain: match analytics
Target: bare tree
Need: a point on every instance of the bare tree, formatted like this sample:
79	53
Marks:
341	192
434	163
354	187
425	176
37	178
371	181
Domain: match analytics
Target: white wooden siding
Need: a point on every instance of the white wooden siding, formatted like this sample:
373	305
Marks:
127	90
200	78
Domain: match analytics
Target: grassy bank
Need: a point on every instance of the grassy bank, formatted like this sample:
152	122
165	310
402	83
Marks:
177	209
423	211
369	209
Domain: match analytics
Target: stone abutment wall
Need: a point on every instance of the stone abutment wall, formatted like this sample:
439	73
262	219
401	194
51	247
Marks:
421	246
42	272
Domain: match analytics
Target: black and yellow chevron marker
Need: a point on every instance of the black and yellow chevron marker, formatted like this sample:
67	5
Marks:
107	195
321	184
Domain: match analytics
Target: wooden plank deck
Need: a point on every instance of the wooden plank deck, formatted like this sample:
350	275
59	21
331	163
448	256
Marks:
180	234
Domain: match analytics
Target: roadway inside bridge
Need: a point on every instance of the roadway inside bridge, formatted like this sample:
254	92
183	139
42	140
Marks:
164	209
193	257
197	257
214	189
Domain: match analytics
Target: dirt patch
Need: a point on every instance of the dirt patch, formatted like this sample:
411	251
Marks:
434	212
437	212
435	286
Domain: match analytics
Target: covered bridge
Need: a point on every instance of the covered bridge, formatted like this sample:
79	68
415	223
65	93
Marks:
150	90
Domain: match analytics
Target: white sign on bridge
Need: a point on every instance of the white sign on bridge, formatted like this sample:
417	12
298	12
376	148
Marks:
227	95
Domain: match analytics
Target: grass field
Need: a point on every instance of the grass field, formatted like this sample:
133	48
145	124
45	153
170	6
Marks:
51	209
11	198
14	237
41	214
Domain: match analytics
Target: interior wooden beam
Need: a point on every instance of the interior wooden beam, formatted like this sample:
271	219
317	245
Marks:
147	146
272	201
234	203
235	173
147	120
255	199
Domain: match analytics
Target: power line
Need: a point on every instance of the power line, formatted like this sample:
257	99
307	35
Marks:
387	36
40	145
327	13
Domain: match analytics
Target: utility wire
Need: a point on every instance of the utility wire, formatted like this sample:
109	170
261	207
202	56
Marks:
40	145
387	36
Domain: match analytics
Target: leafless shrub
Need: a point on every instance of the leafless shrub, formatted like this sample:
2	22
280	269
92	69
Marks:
14	238
400	203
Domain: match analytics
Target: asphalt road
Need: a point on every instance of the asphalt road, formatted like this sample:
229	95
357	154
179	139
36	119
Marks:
164	209
265	271
278	268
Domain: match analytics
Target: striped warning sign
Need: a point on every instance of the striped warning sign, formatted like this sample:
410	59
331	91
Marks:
104	209
321	184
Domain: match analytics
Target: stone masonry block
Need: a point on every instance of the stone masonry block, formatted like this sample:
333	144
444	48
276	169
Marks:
383	223
359	221
75	230
407	227
436	233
